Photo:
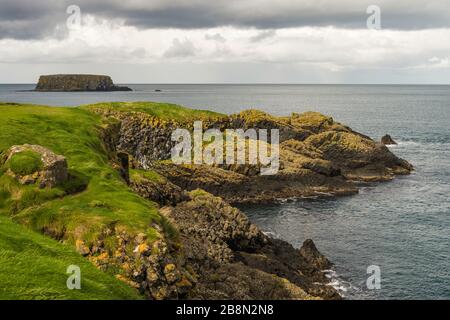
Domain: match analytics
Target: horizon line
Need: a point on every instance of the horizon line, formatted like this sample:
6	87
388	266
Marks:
256	83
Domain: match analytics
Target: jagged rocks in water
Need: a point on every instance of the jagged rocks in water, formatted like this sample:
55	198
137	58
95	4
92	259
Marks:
50	172
387	140
77	82
313	256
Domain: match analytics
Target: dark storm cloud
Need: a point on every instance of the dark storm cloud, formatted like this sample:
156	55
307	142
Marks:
37	19
21	19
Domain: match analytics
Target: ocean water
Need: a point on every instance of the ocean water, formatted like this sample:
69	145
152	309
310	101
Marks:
401	226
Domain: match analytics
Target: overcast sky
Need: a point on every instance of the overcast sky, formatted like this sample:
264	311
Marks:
227	41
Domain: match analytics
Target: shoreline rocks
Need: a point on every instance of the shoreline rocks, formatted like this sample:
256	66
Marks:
387	140
77	82
233	259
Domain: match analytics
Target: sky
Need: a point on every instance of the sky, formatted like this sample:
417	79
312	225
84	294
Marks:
228	41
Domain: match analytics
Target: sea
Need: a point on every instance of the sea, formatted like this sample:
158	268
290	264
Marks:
400	229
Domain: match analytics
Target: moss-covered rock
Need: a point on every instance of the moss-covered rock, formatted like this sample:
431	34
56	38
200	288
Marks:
34	163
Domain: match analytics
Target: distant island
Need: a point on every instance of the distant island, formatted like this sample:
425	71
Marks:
77	82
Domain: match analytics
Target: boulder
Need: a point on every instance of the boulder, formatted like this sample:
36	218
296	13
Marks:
387	140
51	172
313	256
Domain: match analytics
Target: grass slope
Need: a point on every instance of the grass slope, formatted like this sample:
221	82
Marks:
33	266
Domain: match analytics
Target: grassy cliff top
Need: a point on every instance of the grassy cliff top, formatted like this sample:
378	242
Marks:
164	111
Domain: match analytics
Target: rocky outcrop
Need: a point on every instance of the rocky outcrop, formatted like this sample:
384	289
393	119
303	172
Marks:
77	82
161	191
51	172
154	267
233	259
387	140
313	256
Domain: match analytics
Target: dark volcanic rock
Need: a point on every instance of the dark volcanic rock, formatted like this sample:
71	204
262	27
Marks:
233	259
77	82
387	140
313	256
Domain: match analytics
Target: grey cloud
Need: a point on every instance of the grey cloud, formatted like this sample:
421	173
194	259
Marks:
215	37
263	35
180	49
21	19
26	19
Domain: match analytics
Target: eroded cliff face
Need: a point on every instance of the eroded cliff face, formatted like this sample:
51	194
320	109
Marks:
77	82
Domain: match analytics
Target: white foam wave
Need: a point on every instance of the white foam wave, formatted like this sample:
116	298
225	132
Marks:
409	143
272	234
338	283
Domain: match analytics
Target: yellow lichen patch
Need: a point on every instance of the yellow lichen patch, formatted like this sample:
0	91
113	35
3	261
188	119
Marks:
100	260
142	248
253	115
103	257
341	141
169	268
311	121
127	281
81	247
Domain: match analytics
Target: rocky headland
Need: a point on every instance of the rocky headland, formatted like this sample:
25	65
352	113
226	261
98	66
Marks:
181	237
77	82
318	156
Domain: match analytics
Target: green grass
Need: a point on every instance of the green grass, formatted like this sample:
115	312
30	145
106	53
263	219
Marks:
164	111
25	163
139	175
33	266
